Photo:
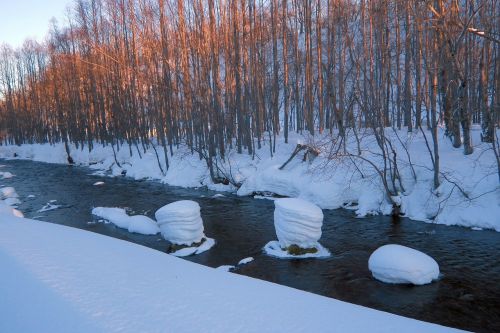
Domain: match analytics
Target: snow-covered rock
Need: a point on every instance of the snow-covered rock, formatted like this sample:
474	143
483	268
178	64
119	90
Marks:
297	222
298	227
140	224
80	281
180	222
400	264
115	215
245	261
225	268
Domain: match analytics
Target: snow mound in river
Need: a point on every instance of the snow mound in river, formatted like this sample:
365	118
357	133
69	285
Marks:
400	264
180	222
118	216
297	222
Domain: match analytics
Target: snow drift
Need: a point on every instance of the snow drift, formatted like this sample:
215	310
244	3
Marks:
78	281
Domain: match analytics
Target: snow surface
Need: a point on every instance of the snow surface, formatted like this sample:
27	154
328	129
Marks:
327	182
140	224
180	222
297	222
400	264
59	279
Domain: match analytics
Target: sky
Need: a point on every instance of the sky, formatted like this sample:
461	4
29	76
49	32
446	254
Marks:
20	19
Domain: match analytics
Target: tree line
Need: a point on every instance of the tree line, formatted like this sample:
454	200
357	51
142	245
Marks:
230	74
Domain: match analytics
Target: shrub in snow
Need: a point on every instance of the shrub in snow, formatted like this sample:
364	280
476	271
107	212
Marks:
400	264
298	227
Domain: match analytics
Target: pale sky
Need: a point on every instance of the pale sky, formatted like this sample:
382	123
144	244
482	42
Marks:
20	19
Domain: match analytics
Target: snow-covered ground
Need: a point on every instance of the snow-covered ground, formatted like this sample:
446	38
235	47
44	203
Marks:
328	182
59	279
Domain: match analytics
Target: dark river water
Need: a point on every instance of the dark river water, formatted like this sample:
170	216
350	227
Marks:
467	296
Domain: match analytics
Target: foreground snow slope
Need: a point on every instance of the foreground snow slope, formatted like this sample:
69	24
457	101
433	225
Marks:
59	279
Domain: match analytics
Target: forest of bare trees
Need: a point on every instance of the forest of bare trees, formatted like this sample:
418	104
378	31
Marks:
230	74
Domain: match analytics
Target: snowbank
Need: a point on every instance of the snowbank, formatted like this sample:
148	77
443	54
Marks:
180	222
142	224
400	264
118	216
327	182
59	279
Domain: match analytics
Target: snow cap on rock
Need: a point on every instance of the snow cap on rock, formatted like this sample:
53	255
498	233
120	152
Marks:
400	264
180	222
297	222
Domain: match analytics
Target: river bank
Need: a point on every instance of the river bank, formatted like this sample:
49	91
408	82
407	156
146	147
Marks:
469	194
